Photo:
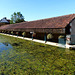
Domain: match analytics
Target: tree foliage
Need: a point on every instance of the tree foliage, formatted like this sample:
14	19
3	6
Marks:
16	18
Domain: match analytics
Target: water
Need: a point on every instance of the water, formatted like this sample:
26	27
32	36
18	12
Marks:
22	57
5	46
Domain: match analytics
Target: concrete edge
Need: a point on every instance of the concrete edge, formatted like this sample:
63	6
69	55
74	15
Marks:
36	40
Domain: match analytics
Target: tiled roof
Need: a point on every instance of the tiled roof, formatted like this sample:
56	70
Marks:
4	20
55	22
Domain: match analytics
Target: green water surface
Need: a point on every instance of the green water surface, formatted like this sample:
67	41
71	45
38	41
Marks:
31	58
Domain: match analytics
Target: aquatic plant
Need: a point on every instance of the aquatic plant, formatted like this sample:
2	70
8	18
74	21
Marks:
37	59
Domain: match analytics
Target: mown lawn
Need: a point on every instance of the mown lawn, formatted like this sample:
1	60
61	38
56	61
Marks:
31	58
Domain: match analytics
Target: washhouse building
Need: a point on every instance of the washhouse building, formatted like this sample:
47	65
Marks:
57	29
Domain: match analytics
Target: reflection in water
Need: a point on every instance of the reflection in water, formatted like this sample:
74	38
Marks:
5	43
5	46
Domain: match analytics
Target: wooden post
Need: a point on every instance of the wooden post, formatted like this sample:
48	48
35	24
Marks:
32	36
45	37
17	34
23	36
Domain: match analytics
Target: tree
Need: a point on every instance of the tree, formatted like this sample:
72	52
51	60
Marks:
17	18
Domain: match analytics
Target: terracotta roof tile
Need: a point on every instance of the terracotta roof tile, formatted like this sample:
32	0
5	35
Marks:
55	22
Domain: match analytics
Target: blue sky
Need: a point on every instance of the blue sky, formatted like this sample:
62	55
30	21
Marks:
36	9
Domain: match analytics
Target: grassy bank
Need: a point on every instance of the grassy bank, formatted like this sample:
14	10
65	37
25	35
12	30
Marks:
31	58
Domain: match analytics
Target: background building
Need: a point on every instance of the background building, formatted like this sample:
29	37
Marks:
4	21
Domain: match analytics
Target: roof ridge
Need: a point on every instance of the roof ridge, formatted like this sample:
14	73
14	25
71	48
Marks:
54	22
50	18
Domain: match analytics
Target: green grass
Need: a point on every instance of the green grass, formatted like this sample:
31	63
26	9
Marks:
31	58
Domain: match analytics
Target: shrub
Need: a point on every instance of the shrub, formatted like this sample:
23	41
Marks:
34	34
12	32
24	33
5	31
61	36
49	36
8	32
2	31
17	32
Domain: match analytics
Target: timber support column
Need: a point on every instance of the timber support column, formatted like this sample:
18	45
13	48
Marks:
32	36
45	38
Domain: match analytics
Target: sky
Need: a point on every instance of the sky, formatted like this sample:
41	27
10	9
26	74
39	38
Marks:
36	9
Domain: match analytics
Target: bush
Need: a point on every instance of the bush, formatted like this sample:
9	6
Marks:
49	36
8	32
34	34
5	31
61	36
24	33
17	32
12	32
2	31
